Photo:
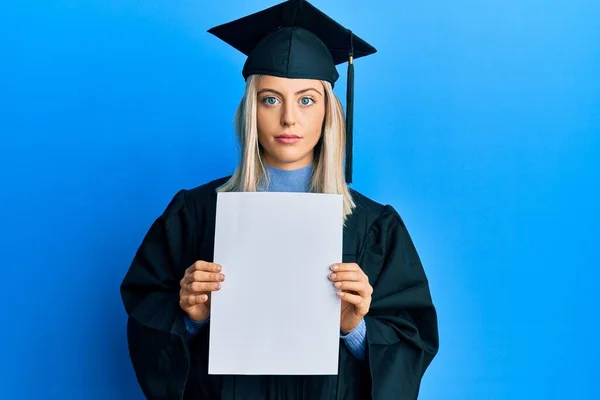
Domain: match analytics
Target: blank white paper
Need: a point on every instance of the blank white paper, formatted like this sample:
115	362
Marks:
277	312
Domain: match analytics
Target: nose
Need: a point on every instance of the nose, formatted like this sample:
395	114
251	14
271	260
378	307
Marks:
288	117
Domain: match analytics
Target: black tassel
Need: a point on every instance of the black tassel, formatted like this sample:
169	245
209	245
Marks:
349	111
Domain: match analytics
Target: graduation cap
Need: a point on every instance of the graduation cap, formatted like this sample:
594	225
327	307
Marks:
294	39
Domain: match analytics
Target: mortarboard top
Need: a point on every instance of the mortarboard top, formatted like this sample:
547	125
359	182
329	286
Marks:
294	39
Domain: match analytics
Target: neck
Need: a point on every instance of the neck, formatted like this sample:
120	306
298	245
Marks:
287	180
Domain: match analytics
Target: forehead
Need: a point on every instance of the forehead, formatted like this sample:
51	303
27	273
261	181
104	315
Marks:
287	85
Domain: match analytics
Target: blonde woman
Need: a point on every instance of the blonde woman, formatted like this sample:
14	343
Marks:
293	137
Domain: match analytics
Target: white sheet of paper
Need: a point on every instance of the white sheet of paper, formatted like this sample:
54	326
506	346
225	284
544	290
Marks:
277	312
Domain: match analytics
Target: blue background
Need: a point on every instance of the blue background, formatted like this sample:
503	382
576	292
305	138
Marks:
479	121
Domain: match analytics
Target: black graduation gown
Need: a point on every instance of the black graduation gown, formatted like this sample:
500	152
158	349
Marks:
402	333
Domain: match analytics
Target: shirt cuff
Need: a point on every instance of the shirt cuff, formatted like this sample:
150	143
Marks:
356	340
194	327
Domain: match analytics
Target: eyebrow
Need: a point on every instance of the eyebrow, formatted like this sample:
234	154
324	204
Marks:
297	93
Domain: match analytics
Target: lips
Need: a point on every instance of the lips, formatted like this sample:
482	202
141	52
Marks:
288	139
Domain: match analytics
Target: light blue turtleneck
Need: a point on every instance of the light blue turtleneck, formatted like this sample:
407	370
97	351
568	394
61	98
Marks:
280	180
298	180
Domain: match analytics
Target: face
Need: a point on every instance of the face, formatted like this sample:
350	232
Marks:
290	116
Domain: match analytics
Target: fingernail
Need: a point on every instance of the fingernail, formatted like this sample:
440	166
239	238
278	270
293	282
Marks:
337	284
221	277
219	268
340	293
332	276
335	267
217	286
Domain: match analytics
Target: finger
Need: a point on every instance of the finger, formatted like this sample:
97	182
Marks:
353	276
350	298
361	304
194	300
345	267
201	287
362	288
203	266
202	276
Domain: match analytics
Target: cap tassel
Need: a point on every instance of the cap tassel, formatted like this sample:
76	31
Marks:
349	111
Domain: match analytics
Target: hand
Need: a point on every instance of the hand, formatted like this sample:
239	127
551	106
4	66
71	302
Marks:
200	279
354	290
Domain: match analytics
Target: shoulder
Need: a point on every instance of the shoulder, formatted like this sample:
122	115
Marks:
366	205
206	192
376	220
196	200
371	211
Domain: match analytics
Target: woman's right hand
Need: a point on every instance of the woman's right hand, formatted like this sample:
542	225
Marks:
200	279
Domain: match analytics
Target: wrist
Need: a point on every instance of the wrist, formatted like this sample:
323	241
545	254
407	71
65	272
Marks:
198	319
347	329
358	331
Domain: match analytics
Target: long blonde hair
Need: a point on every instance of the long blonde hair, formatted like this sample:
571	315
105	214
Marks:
328	172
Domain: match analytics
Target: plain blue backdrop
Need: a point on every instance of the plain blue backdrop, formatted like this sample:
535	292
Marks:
478	120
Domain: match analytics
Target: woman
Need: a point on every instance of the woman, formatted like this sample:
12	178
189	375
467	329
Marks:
292	134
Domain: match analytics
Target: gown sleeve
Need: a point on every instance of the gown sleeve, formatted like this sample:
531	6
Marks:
150	293
402	328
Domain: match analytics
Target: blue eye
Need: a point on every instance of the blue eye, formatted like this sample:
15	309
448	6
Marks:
270	100
306	101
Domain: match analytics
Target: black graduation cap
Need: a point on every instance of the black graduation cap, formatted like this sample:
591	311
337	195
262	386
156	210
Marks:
294	39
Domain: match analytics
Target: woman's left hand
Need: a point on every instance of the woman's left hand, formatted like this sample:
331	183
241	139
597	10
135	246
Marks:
354	290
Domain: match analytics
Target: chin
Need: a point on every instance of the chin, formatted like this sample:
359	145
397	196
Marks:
287	156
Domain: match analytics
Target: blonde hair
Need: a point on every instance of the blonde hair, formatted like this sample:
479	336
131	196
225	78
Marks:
328	171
